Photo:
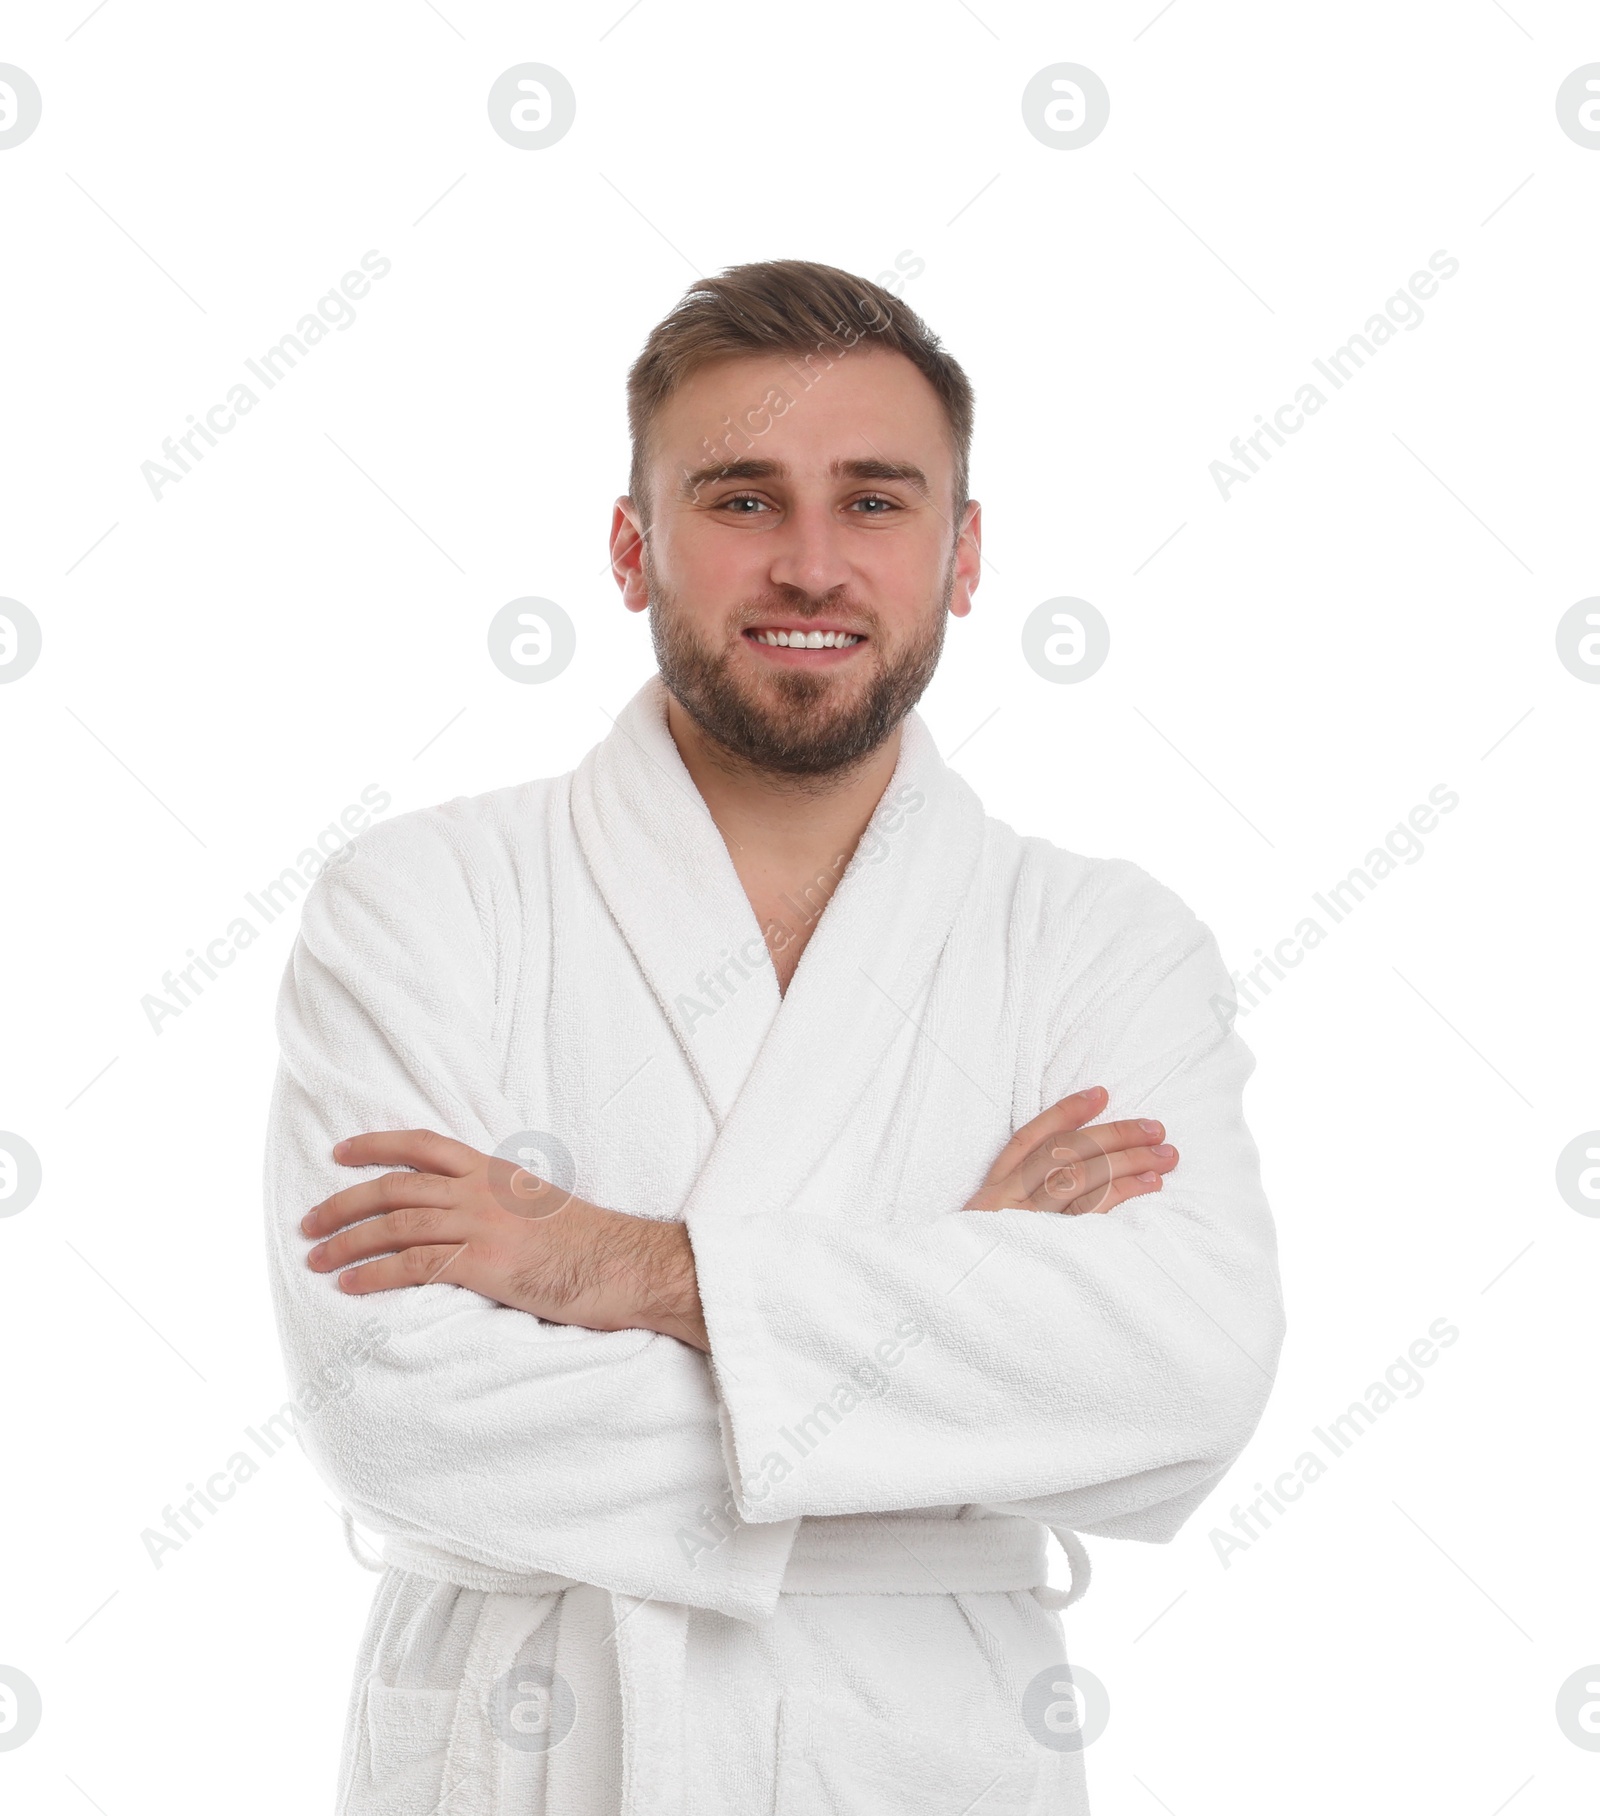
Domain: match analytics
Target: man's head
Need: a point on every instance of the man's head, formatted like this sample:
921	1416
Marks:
800	452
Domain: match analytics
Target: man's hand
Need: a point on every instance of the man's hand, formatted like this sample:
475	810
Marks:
473	1220
1055	1163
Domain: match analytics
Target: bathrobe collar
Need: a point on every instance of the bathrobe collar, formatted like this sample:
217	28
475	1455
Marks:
795	1065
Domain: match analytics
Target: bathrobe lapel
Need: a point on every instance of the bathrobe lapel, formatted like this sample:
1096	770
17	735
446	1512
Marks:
659	861
783	1076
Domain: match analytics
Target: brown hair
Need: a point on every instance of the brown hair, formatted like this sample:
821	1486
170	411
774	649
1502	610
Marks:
786	306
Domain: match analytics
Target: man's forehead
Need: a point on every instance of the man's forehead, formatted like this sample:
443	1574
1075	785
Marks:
867	415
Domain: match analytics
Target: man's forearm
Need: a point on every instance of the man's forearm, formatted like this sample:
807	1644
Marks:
463	1218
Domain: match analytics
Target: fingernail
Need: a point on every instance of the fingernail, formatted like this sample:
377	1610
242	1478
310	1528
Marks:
305	1224
1090	1091
318	1252
1165	1152
339	1148
1150	1128
1148	1178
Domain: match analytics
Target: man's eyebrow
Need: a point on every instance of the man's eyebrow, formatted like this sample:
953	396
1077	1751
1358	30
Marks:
739	470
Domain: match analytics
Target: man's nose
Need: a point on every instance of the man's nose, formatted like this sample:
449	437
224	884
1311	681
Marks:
808	551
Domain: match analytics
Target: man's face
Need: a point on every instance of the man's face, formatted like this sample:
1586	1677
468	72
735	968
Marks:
787	516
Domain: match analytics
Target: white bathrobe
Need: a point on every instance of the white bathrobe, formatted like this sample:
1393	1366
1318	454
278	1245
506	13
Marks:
805	1574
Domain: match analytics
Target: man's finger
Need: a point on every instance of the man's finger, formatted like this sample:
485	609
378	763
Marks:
408	1228
1076	1186
1079	1150
425	1149
1045	1179
1106	1138
1130	1185
390	1193
411	1267
1102	1179
1046	1184
1070	1113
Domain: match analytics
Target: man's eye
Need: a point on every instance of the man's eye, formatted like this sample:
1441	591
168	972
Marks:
731	505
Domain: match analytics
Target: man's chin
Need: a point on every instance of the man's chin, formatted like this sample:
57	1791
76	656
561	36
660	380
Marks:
789	724
798	738
801	695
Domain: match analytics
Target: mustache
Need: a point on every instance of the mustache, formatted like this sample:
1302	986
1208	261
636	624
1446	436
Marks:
830	605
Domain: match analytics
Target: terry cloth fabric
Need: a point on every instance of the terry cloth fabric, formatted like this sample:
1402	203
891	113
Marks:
625	1577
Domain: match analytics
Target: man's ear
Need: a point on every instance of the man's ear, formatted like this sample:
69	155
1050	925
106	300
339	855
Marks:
968	560
627	554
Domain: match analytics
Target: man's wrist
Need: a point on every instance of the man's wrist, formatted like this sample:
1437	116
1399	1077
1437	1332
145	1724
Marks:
659	1282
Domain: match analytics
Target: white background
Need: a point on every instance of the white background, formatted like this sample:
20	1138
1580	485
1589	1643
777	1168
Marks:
1372	615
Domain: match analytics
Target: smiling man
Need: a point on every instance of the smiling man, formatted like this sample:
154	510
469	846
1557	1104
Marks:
714	1131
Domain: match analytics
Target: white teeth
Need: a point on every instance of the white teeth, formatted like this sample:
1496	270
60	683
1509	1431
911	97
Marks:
808	639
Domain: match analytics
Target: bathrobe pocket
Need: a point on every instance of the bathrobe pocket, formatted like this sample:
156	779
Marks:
408	1731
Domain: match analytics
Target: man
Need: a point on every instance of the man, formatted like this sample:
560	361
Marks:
688	1170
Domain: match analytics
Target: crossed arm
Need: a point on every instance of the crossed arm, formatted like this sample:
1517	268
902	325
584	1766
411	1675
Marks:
536	1442
470	1219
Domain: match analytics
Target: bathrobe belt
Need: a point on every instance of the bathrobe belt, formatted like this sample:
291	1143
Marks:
882	1554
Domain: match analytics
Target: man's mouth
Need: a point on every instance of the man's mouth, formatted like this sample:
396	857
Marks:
818	639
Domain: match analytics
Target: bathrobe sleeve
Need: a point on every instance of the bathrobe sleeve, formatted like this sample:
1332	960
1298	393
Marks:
438	1416
1097	1371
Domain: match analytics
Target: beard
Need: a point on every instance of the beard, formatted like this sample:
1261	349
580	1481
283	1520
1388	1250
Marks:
788	723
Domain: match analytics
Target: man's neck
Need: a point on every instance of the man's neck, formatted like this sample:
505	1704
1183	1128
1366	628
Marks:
790	838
